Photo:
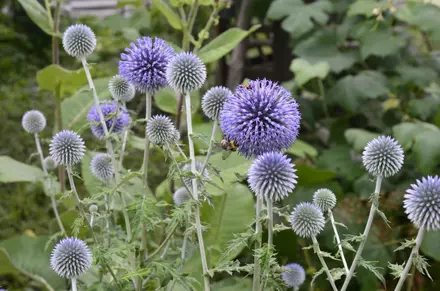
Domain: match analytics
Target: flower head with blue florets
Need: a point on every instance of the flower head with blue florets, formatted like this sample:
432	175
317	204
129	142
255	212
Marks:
122	119
294	276
71	258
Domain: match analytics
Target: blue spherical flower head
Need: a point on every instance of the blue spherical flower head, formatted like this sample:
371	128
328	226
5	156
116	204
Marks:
307	220
144	64
186	72
260	118
294	276
71	258
422	203
122	119
67	148
272	176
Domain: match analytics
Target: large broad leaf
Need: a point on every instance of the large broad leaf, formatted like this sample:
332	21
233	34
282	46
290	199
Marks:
12	171
28	255
308	175
76	108
359	138
423	15
299	16
364	7
302	149
166	100
53	76
233	284
170	15
338	159
380	43
224	43
424	108
37	14
420	76
405	132
304	71
430	244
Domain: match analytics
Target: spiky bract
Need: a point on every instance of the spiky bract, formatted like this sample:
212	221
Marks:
49	163
325	199
383	156
79	40
71	258
199	166
307	220
181	195
161	130
67	148
121	89
102	167
33	121
213	101
186	72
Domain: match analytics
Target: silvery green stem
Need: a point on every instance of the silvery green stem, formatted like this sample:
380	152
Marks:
124	143
365	236
40	153
195	191
211	145
324	265
74	284
269	223
256	278
414	251
338	241
92	216
114	119
148	102
185	241
165	250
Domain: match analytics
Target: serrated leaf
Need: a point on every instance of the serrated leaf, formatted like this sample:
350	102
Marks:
12	171
371	266
407	244
396	269
421	264
383	216
348	246
337	273
329	255
171	16
304	71
316	275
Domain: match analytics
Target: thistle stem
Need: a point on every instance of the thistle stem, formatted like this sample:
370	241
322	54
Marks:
185	242
324	265
40	153
414	252
147	141
195	191
338	241
74	284
258	228
270	223
124	143
364	235
211	145
167	246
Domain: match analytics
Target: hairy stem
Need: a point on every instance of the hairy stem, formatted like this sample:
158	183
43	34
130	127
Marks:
324	265
338	241
258	228
414	252
195	191
357	257
74	284
211	145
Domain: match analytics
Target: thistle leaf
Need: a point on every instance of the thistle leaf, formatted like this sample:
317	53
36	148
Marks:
371	266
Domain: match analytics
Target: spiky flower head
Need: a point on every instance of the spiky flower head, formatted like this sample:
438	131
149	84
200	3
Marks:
79	41
199	166
294	275
33	121
213	100
161	130
307	220
144	64
325	199
93	208
186	72
71	258
422	203
272	176
122	119
262	117
102	167
49	163
383	156
181	195
121	89
67	148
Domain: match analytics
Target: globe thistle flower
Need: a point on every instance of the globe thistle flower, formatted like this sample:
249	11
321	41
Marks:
160	130
67	148
33	121
383	156
144	64
122	119
93	208
213	100
102	167
199	166
294	276
121	89
272	176
325	199
307	220
260	118
181	195
422	203
71	258
79	41
49	163
186	72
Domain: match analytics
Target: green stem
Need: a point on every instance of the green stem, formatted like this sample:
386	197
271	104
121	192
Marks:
40	153
411	279
324	102
269	223
207	27
164	243
74	284
364	235
124	143
258	229
324	265
211	145
114	119
414	252
338	241
147	141
192	16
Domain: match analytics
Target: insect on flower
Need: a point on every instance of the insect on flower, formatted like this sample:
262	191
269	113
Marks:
229	146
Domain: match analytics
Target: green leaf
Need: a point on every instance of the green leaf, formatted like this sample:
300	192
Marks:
304	71
224	43
37	14
430	244
426	16
233	284
28	256
91	183
420	76
427	150
308	175
424	108
380	43
54	75
299	16
302	149
364	7
170	15
338	159
12	171
359	138
166	100
405	132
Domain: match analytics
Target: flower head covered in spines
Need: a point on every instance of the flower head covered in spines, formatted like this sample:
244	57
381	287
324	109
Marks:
294	275
102	167
307	220
71	258
144	64
260	118
422	203
199	166
67	148
180	196
325	199
272	176
79	41
122	119
161	130
186	72
383	156
49	163
121	89
33	121
213	101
